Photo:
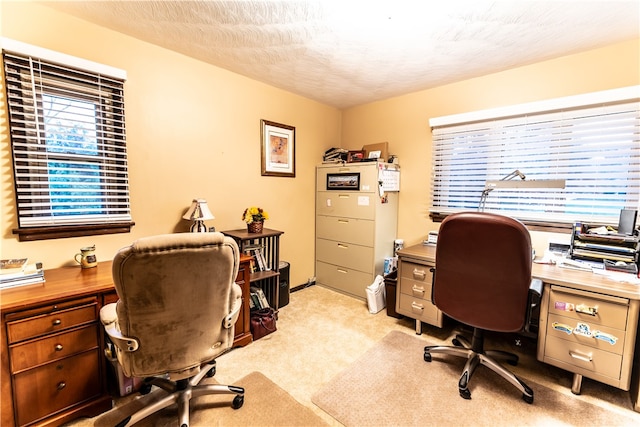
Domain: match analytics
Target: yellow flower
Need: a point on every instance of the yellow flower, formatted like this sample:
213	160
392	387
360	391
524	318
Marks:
254	214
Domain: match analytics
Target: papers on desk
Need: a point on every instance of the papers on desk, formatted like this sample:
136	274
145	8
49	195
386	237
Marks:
618	276
575	264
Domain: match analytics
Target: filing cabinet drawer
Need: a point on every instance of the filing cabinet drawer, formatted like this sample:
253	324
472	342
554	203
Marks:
607	311
34	353
351	230
584	357
346	204
51	322
354	257
368	174
57	385
343	279
419	309
592	335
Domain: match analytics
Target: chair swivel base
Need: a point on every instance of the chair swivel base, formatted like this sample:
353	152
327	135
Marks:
181	392
476	355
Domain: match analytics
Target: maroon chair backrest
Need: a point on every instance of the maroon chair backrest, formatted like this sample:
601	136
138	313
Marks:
483	270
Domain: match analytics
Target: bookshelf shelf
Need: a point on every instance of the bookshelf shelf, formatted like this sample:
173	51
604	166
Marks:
268	243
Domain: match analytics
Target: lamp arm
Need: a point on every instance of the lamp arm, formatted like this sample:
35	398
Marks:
513	175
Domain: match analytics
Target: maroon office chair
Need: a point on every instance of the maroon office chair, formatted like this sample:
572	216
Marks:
481	279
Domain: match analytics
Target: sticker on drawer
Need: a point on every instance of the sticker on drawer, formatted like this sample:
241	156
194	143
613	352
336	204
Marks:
562	327
564	306
583	329
603	336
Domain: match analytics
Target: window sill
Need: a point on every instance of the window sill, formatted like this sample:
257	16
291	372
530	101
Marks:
30	234
551	227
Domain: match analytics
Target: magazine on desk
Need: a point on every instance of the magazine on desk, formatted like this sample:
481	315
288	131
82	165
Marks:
26	274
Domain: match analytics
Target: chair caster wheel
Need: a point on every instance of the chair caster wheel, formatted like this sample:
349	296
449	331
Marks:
211	372
456	342
465	393
238	401
527	398
145	388
427	356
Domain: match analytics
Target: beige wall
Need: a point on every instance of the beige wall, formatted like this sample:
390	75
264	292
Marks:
404	121
193	130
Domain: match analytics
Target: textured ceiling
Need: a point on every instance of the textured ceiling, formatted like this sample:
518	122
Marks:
346	53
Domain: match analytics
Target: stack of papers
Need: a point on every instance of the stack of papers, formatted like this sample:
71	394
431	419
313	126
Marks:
18	272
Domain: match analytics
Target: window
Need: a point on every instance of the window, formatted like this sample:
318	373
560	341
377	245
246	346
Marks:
590	141
68	143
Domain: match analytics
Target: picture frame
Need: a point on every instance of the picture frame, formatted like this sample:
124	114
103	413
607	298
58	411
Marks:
277	149
343	181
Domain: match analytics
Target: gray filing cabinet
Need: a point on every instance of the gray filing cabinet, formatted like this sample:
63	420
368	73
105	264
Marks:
356	224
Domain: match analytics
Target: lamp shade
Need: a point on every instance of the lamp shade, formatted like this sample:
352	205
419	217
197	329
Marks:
199	210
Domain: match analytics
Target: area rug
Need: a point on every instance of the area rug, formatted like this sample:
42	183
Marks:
392	385
265	404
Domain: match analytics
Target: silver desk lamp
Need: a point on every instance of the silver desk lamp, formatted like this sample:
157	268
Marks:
506	182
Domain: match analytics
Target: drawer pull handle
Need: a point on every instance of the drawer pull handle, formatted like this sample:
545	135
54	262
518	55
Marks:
419	274
417	307
344	221
585	309
61	385
58	347
57	322
341	246
418	290
342	271
583	357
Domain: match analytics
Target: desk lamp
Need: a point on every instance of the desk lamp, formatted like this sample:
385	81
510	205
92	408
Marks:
505	182
198	212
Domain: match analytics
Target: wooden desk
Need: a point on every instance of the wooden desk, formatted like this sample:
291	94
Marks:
52	360
616	306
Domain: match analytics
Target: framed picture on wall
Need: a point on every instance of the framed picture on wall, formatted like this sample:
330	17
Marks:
278	149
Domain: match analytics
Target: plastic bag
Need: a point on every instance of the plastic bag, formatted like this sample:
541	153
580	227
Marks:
376	295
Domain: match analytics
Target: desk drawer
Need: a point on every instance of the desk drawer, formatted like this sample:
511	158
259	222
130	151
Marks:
585	357
57	385
350	230
419	309
609	311
47	349
416	280
51	322
354	257
584	333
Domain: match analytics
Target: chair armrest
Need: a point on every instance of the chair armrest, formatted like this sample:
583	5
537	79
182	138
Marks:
109	318
236	305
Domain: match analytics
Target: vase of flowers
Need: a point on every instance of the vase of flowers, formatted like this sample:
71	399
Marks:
255	218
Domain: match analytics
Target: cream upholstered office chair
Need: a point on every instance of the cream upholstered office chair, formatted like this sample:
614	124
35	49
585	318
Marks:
482	278
178	306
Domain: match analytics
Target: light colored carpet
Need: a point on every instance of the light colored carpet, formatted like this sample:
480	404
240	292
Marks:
265	404
392	385
321	333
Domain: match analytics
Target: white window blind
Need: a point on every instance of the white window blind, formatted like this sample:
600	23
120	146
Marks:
595	148
68	142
